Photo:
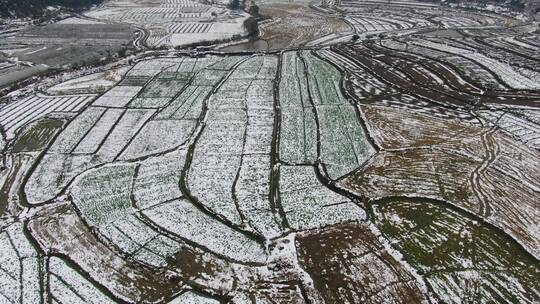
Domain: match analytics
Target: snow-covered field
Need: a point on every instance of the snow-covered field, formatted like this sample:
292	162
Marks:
176	24
503	70
26	110
402	167
93	83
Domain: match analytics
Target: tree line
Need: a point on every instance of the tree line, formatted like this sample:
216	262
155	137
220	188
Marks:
36	8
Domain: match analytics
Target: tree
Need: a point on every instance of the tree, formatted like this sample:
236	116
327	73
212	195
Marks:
234	4
254	10
122	52
251	25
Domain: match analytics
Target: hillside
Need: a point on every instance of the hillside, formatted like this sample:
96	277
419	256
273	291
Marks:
31	8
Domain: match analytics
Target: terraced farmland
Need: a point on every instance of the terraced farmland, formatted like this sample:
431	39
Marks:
381	154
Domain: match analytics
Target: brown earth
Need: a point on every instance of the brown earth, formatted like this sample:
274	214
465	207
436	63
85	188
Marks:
348	264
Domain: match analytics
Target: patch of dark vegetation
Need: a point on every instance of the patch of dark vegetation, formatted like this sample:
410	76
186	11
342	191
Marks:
37	136
460	258
348	264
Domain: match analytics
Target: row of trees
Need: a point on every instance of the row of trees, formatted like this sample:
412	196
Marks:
247	5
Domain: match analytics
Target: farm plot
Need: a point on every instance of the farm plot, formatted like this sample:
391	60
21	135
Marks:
391	84
236	123
224	28
206	231
108	130
63	45
157	179
159	136
104	199
174	124
503	70
68	236
527	130
405	76
26	110
477	174
295	25
169	81
354	6
366	87
529	40
416	15
37	135
190	27
21	266
136	277
63	33
368	25
123	133
348	264
478	74
430	173
53	173
459	258
298	136
147	13
98	133
77	128
68	286
422	84
103	195
522	62
118	96
454	21
176	24
12	176
57	166
419	129
91	84
487	193
428	70
189	104
344	145
130	233
193	297
493	73
107	205
147	69
160	90
308	204
160	36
